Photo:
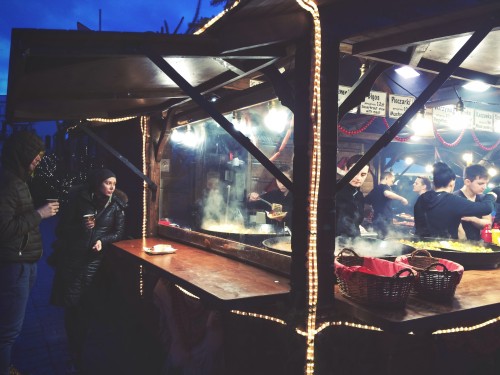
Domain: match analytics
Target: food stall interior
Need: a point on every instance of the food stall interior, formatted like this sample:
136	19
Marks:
256	59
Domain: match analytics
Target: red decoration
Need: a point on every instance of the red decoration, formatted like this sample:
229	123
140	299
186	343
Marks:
481	145
354	132
397	138
453	144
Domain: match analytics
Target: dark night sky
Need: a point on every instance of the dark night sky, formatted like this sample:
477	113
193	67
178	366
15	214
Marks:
117	15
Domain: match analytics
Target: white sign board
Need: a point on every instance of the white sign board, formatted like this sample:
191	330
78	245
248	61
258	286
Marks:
496	122
375	104
441	116
343	90
398	105
483	120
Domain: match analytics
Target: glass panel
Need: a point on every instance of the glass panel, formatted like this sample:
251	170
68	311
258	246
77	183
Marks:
207	176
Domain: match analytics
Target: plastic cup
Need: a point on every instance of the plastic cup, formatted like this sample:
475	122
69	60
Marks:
89	217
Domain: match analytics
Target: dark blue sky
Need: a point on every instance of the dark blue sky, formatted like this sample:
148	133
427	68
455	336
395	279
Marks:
117	15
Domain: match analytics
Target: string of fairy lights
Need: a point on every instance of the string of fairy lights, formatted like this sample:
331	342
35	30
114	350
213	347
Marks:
311	329
315	115
144	132
215	19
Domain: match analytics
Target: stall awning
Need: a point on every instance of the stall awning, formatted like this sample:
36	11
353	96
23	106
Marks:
71	75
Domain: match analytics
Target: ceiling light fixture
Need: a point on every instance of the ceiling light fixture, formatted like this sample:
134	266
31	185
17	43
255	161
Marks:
476	86
407	72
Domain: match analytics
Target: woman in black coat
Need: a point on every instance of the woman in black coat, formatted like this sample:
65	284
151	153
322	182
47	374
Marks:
80	245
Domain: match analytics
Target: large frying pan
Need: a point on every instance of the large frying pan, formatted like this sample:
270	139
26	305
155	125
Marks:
282	244
373	247
470	260
363	246
252	235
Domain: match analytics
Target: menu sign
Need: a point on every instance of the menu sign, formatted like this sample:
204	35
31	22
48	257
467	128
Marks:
483	120
441	116
343	91
374	104
496	122
399	104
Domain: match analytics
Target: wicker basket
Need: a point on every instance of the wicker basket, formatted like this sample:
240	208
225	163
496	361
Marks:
437	279
360	279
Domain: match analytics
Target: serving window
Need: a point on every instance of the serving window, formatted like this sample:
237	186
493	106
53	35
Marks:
207	176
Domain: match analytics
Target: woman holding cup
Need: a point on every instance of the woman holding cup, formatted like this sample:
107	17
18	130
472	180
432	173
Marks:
93	218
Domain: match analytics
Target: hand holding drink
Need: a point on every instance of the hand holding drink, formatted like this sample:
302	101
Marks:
50	209
89	221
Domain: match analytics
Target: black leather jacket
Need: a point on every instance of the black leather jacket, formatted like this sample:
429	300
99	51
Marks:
77	263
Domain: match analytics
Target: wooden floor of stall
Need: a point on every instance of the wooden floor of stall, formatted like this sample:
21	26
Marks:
119	343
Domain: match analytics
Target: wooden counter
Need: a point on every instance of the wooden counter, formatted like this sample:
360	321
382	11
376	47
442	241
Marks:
218	280
226	283
476	300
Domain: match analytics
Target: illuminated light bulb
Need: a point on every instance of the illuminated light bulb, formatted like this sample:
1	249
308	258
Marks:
458	120
429	168
476	86
409	160
176	136
407	72
467	157
492	172
276	119
421	125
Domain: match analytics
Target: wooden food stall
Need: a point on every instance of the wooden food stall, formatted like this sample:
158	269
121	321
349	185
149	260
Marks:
186	118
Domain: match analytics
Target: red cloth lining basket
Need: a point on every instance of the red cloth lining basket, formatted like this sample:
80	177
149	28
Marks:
373	281
437	279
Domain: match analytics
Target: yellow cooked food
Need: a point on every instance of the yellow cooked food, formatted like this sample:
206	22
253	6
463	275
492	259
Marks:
447	244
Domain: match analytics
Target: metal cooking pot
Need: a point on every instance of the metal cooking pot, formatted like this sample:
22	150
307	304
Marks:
363	246
251	235
470	260
373	247
282	244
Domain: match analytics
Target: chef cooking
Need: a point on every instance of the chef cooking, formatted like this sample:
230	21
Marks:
277	203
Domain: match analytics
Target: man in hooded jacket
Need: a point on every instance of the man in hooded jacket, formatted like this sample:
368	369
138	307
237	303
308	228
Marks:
20	239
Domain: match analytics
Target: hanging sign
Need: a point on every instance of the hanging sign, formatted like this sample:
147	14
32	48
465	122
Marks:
496	122
399	104
467	118
374	104
343	90
441	116
483	120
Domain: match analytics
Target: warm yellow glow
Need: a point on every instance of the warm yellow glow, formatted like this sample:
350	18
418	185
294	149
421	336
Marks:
189	294
468	157
259	316
312	261
467	329
141	281
215	19
109	120
144	130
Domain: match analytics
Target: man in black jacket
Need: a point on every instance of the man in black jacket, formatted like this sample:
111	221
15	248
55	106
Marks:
438	212
350	203
20	240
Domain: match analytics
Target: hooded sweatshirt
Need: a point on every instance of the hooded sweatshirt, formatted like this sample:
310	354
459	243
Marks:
438	214
20	239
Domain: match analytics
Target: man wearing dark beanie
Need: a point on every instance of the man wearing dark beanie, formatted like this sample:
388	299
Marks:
20	239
